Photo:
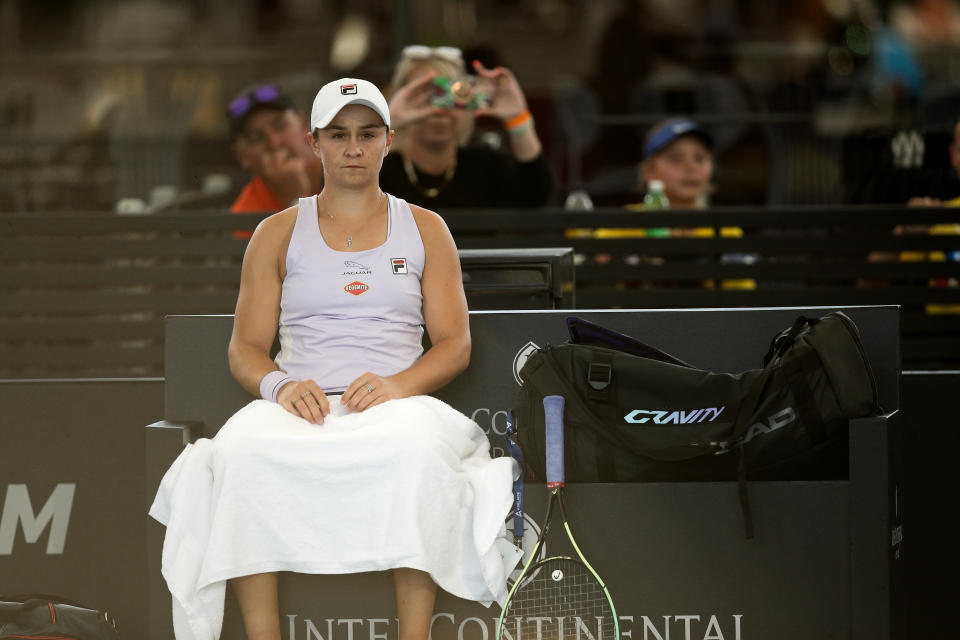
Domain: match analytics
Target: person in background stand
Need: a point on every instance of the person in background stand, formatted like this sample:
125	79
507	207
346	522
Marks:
269	140
954	150
679	153
923	229
431	165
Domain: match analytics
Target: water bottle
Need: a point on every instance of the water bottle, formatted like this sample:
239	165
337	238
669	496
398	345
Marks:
655	198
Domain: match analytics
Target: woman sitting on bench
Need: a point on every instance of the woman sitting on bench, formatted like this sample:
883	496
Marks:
345	465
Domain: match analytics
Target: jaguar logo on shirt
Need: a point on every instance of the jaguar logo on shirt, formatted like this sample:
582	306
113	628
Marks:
355	269
356	288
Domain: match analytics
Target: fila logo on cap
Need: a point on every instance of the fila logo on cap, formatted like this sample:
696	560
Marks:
348	89
399	265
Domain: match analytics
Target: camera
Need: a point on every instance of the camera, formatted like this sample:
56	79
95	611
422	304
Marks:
464	92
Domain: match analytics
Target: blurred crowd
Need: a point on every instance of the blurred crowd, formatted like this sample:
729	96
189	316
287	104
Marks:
145	105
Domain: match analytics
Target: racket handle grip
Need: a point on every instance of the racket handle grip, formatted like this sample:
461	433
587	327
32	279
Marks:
553	412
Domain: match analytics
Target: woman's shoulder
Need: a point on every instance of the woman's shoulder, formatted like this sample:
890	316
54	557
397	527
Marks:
433	228
279	222
274	232
426	218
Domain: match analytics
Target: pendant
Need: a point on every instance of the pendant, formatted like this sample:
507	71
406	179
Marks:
349	241
432	192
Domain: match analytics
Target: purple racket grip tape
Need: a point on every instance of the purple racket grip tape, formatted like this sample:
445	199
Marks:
553	411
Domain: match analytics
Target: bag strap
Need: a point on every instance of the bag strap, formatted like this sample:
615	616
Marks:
743	495
784	339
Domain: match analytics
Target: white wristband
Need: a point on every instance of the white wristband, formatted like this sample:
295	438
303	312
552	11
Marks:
271	383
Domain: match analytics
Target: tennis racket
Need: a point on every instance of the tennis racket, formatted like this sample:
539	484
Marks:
557	597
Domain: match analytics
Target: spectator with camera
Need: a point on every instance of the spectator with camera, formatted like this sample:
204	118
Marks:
269	139
433	107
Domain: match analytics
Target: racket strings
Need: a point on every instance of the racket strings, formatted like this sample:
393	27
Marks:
560	600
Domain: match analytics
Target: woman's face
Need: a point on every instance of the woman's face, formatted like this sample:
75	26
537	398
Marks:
442	128
352	146
686	169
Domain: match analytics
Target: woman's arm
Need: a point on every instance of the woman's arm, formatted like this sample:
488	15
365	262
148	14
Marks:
446	318
258	303
256	320
510	106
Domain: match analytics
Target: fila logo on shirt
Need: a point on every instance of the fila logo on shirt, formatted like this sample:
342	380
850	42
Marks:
356	288
348	89
399	265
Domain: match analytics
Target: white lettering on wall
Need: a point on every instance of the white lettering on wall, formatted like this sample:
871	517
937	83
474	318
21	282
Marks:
18	509
447	626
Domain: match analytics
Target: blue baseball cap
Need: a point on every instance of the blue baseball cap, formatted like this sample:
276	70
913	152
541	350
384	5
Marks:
663	134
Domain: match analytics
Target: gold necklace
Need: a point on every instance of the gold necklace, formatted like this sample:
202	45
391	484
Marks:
362	225
430	192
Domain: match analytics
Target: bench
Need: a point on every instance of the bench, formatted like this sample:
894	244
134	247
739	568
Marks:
825	561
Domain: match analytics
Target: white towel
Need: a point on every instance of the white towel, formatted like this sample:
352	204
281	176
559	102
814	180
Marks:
408	483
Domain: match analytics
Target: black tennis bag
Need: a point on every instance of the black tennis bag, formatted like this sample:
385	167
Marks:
42	616
634	413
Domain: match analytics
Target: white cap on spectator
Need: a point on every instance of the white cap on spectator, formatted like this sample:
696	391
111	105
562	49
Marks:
335	95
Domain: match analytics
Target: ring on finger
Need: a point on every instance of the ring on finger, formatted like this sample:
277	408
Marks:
369	388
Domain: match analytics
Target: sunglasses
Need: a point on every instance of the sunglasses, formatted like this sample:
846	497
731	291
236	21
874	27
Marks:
423	52
261	95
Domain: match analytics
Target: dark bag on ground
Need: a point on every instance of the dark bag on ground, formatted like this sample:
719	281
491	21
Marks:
634	413
44	616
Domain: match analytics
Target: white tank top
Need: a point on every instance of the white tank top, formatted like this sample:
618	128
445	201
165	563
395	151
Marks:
343	313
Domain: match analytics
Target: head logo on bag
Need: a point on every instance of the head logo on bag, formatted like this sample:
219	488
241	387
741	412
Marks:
520	359
780	419
643	416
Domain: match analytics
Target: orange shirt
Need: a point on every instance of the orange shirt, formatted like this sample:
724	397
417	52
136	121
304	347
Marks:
256	197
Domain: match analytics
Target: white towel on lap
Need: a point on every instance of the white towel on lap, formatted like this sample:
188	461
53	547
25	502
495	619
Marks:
408	483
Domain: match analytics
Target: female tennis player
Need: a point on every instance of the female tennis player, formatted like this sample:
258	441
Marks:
344	465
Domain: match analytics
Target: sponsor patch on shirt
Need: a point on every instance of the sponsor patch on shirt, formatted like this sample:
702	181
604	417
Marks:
399	265
356	288
354	268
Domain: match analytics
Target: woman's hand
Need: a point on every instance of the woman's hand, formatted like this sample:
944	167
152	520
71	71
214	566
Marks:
369	390
508	99
306	399
411	102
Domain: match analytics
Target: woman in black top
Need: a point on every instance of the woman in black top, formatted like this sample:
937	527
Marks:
430	165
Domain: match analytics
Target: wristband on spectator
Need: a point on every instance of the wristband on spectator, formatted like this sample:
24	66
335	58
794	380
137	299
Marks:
519	123
271	384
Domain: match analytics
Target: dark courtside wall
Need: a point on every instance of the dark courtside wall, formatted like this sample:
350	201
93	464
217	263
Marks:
72	450
88	433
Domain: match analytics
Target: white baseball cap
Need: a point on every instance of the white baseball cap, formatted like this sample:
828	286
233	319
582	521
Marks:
335	95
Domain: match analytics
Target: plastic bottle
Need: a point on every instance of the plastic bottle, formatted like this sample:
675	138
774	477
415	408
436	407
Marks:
655	198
